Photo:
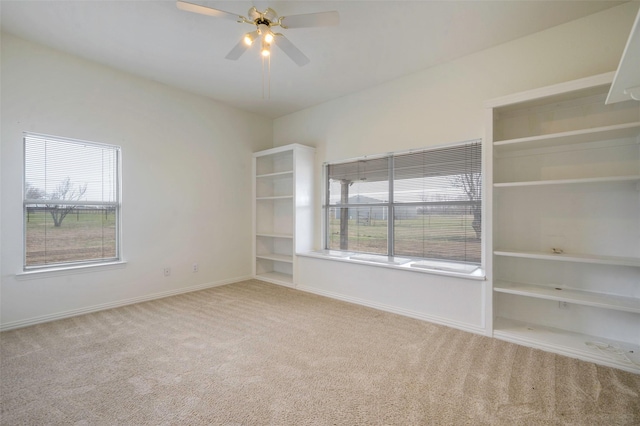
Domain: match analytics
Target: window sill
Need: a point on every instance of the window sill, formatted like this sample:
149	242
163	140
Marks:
67	270
434	267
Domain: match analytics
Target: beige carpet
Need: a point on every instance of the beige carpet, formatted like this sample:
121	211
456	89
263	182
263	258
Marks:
258	354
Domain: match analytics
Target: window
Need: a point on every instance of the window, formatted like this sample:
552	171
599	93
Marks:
71	202
421	204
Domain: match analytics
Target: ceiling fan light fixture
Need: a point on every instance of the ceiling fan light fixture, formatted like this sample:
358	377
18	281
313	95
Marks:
265	32
263	22
249	38
266	49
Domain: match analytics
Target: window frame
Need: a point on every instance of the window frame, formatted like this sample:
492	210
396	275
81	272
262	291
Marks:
79	265
391	206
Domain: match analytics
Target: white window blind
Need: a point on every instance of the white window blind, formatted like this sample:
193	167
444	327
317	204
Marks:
422	204
438	203
71	201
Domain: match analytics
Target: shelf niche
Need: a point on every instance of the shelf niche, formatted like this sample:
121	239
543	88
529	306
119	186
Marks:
283	211
564	176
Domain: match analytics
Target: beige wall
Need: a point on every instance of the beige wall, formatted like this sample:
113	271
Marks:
186	178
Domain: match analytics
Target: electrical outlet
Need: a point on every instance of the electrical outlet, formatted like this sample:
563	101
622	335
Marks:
167	271
194	268
563	305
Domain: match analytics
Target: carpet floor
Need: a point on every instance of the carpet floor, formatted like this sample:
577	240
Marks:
253	353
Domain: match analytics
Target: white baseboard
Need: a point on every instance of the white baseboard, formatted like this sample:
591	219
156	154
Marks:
95	308
394	310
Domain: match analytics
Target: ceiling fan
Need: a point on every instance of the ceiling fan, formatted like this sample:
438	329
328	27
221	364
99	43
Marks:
264	22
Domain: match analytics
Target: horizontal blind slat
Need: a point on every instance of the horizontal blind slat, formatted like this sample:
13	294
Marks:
59	169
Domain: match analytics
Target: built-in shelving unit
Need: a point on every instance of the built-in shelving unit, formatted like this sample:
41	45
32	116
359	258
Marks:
563	183
283	211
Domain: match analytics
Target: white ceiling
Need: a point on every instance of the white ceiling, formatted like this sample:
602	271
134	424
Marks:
376	41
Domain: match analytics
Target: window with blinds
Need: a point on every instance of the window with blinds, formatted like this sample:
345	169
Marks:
421	204
71	202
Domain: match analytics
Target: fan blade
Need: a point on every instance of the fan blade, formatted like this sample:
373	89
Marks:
293	52
196	8
320	19
253	14
270	15
237	51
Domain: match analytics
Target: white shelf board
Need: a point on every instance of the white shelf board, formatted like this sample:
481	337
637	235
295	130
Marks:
573	257
276	278
275	197
275	256
284	174
623	355
553	94
580	297
618	131
610	179
274	235
281	196
286	150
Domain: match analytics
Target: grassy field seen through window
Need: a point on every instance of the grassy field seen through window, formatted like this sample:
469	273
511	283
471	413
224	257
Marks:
85	234
434	236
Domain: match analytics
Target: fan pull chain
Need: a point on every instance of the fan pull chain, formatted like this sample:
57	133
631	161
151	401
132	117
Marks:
269	85
266	76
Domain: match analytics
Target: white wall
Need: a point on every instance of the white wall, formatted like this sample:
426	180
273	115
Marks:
186	179
444	104
446	300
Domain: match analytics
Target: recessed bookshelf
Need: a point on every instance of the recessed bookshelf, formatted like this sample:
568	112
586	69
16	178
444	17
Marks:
281	215
565	208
